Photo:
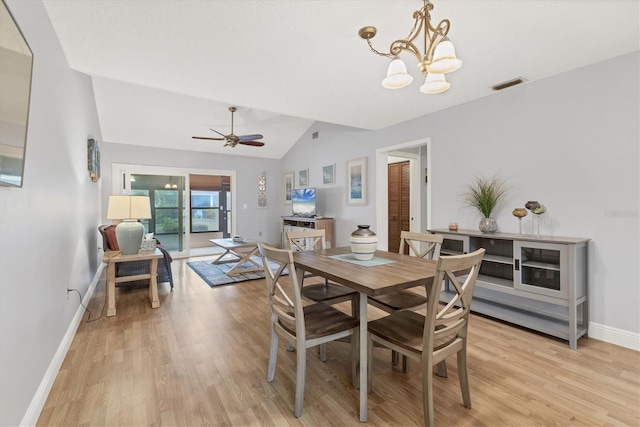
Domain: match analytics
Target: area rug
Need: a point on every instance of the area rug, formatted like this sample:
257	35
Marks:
216	274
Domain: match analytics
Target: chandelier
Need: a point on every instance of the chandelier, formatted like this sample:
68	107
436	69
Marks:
438	59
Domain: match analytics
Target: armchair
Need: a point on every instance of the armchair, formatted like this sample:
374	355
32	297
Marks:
109	243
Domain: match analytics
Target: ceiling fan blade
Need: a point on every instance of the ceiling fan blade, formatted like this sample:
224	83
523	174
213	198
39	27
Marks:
221	134
253	143
210	139
249	137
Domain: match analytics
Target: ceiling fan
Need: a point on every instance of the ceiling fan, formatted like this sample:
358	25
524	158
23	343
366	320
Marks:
232	140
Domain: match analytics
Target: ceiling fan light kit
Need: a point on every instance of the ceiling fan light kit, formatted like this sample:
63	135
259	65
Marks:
232	139
438	57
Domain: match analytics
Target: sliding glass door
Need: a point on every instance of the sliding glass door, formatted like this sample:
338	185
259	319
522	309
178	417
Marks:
187	209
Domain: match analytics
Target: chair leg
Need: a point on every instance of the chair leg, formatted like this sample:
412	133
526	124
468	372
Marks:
427	394
405	364
323	352
273	355
301	361
464	378
441	369
394	358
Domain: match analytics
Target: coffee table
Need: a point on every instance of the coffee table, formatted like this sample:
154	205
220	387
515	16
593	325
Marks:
243	251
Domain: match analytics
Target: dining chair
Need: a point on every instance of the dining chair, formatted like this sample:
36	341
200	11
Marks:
423	245
301	327
430	339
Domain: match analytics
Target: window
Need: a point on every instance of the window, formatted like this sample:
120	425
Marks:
205	211
165	207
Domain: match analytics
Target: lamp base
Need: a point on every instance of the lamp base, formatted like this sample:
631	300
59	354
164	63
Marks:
129	235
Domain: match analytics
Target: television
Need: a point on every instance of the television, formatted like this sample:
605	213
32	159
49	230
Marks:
303	201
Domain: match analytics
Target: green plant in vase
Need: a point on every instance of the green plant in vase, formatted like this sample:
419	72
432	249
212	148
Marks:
485	195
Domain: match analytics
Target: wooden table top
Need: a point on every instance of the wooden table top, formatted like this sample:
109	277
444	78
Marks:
405	272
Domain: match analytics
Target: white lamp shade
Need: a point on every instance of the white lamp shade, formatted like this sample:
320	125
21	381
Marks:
434	83
129	207
444	58
397	76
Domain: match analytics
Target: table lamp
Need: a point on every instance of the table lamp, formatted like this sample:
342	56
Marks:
129	209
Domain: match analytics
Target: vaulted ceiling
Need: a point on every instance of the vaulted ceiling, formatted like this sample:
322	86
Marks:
164	71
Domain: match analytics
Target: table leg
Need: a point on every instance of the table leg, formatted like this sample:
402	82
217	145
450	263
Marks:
111	289
244	257
363	357
153	284
222	255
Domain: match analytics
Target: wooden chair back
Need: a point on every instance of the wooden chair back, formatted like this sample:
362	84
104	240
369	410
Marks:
307	240
445	327
285	301
415	243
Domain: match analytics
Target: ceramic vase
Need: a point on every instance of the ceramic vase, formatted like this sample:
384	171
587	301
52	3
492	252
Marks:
363	243
488	225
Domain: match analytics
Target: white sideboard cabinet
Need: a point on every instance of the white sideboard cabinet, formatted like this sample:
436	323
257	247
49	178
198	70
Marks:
539	282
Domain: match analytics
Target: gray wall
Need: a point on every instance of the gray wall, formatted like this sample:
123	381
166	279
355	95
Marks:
569	141
48	237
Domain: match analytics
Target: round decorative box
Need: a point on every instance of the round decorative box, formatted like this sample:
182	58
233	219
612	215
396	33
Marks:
364	243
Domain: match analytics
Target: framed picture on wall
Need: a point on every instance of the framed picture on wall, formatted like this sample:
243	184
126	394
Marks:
288	187
93	159
303	178
357	181
329	174
262	191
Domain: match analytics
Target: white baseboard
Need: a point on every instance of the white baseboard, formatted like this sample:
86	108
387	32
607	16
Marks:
39	399
615	336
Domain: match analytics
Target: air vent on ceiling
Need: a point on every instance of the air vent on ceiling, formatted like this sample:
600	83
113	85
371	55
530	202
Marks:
314	135
509	83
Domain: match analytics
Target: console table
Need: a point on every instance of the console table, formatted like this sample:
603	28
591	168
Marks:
114	257
297	223
539	282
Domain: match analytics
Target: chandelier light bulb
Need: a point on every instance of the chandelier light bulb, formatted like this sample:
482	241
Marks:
434	83
444	58
397	76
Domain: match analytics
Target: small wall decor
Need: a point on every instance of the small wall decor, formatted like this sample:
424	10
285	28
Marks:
303	178
357	181
262	191
329	174
288	187
93	159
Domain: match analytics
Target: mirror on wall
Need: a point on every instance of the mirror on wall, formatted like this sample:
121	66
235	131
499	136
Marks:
16	67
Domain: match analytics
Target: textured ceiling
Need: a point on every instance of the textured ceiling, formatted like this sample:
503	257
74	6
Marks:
164	71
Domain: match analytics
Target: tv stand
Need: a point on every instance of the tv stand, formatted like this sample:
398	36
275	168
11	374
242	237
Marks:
298	223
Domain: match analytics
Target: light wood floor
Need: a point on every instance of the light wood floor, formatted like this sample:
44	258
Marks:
201	359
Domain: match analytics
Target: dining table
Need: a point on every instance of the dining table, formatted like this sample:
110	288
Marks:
387	272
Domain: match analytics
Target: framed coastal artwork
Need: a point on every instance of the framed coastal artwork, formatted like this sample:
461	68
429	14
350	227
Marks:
357	181
303	178
329	174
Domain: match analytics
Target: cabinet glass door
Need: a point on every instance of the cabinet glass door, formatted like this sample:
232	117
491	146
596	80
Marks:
538	268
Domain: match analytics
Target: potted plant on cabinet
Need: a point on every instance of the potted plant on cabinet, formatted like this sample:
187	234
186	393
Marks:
485	195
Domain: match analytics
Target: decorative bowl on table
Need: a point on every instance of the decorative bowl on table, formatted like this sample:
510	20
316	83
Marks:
238	239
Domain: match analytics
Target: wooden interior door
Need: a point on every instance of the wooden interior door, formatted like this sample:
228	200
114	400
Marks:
398	209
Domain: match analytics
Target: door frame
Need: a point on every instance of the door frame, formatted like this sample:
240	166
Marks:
382	183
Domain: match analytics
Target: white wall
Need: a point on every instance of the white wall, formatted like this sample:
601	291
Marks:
48	237
250	222
569	141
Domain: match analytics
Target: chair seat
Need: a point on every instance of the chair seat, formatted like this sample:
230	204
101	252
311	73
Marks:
322	320
325	292
405	329
396	301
